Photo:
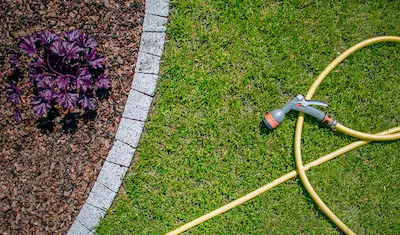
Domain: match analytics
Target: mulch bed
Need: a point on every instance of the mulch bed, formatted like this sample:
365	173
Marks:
45	178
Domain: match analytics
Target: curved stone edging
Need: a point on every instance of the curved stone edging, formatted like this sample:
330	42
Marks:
132	122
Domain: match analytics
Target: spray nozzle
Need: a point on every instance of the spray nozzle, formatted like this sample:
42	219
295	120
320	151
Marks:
299	103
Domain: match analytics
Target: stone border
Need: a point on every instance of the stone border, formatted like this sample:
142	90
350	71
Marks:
131	126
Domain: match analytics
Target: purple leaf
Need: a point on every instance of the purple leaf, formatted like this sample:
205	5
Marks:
39	81
57	48
43	81
83	74
39	106
67	99
27	45
86	85
87	102
63	81
73	35
65	48
32	78
85	40
48	80
46	37
17	115
41	84
14	61
38	63
47	95
93	59
35	70
72	50
64	70
83	80
103	81
13	94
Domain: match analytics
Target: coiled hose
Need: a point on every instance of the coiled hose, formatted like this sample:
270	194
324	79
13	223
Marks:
388	135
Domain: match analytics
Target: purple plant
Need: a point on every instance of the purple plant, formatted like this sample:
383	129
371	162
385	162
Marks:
65	73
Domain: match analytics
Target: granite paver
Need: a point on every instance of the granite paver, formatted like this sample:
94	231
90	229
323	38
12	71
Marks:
111	175
129	131
89	216
78	228
121	153
100	196
137	106
145	83
132	122
157	7
152	43
148	63
153	23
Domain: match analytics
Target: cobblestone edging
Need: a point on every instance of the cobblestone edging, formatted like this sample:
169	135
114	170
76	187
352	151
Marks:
131	126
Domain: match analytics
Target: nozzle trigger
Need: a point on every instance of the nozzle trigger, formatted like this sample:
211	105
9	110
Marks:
317	102
305	102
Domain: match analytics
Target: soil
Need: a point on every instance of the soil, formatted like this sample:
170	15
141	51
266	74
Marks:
46	178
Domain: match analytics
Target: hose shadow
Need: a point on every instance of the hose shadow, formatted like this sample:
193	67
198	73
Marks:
316	207
292	116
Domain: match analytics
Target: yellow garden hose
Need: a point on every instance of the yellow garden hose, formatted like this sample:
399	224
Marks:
391	134
339	127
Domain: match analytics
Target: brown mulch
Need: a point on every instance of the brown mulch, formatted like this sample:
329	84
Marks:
45	179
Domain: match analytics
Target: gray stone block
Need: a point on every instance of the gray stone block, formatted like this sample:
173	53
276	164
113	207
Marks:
129	131
111	175
153	23
145	83
78	229
100	196
90	216
152	42
121	153
137	106
157	7
147	63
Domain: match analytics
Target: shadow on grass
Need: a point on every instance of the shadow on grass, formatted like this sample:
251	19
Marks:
264	130
314	121
316	207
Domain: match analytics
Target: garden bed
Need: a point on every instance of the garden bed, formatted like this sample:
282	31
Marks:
45	178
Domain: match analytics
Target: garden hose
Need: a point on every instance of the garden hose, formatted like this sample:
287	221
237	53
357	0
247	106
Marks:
302	104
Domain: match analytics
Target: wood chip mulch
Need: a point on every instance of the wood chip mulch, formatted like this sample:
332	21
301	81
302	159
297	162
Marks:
45	179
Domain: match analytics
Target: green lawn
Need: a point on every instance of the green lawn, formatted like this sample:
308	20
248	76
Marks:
204	144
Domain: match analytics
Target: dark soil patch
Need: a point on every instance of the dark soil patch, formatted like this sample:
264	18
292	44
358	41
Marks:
45	179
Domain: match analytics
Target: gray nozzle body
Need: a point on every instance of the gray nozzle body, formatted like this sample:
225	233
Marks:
278	115
299	103
302	105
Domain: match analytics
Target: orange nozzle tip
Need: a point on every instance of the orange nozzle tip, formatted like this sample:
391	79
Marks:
270	121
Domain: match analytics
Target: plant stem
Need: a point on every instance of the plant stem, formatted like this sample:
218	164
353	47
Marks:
47	74
51	68
54	71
